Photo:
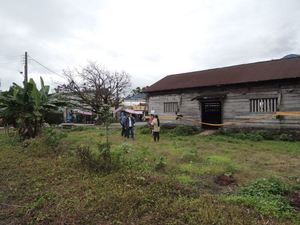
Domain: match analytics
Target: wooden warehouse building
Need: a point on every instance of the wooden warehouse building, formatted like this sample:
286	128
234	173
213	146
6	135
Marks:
255	95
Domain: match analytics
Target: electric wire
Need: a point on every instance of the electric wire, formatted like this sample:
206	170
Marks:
45	67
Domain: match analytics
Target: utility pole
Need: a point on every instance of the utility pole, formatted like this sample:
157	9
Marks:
26	68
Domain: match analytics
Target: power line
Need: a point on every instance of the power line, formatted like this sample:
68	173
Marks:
45	67
10	56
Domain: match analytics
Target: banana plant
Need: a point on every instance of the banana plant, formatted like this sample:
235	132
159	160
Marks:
26	107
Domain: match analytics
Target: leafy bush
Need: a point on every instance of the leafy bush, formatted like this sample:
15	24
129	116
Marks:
144	130
54	117
86	157
180	130
190	155
266	196
160	164
263	187
26	107
80	128
103	159
259	135
286	137
52	138
184	179
124	147
253	136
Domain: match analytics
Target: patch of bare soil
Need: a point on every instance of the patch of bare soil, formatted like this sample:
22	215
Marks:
208	132
294	198
225	180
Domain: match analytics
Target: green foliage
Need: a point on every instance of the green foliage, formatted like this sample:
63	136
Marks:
52	138
266	196
184	179
79	128
135	193
272	186
103	159
26	107
217	159
190	155
38	203
54	117
86	157
144	130
248	136
179	130
259	135
105	154
160	164
286	137
125	147
184	130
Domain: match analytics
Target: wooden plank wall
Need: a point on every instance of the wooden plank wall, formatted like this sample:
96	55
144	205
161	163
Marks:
236	106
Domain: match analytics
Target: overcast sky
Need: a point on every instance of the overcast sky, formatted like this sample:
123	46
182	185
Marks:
147	39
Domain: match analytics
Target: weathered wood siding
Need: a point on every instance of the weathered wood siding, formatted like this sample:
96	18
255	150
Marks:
236	105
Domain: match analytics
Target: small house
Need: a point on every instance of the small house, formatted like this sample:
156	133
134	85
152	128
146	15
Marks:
255	95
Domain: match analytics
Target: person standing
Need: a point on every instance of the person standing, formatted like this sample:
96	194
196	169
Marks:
123	123
129	124
156	128
150	123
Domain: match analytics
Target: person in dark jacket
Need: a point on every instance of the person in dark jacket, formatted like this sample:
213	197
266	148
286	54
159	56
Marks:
122	122
129	125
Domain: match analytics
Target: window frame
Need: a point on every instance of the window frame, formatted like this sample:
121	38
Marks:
263	105
171	107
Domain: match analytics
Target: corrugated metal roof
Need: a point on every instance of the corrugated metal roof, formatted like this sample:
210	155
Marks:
245	73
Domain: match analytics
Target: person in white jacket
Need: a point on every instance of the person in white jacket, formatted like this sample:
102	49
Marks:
156	128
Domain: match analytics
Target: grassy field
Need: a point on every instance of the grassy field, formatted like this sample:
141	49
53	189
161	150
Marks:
170	182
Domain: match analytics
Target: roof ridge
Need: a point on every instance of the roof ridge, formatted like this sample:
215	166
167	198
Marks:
224	67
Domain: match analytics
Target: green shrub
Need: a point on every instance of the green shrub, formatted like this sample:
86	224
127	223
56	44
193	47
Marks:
104	151
184	130
184	179
103	159
144	130
179	130
268	134
253	136
190	155
54	117
124	147
86	157
160	163
52	138
286	137
266	196
258	135
263	187
80	128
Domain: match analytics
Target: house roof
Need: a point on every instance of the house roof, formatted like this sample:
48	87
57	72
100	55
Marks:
284	68
137	96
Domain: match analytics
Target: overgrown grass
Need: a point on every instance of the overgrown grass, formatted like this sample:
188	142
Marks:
267	197
170	182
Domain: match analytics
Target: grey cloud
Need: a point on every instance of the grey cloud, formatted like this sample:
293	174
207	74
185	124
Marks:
58	32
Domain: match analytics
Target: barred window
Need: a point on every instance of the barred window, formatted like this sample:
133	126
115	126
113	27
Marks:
170	107
263	105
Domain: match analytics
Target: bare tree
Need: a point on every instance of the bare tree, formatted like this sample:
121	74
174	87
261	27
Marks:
97	87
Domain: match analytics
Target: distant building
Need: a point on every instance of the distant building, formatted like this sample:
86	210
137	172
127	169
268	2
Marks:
134	100
137	102
255	95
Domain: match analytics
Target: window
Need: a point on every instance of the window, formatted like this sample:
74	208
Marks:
263	105
170	107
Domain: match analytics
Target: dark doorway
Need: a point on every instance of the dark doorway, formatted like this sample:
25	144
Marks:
211	113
